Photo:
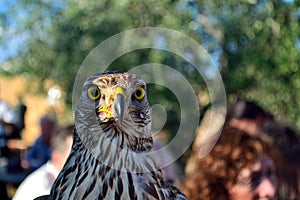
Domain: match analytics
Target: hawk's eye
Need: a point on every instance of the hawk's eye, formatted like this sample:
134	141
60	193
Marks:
94	93
139	93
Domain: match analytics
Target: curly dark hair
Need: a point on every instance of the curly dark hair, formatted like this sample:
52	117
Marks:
218	171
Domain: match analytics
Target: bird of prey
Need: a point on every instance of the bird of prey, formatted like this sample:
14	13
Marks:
112	139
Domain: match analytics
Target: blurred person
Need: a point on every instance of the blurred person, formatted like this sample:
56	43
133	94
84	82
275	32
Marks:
40	181
240	166
289	187
20	111
292	157
39	153
254	120
7	121
7	125
287	141
247	116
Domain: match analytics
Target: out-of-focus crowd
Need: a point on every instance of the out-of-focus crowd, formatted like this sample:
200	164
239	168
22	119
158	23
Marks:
255	157
29	172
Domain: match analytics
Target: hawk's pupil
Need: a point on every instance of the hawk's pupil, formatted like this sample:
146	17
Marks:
95	92
138	93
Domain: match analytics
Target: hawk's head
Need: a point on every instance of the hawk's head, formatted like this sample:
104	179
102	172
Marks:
119	102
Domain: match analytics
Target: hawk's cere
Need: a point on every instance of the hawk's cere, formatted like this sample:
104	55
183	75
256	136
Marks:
112	136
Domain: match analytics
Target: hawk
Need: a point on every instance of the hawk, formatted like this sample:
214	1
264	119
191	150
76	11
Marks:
110	156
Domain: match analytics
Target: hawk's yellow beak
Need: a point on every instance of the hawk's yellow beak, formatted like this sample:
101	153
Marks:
117	102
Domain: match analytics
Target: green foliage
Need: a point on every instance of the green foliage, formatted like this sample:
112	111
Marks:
260	58
257	40
61	35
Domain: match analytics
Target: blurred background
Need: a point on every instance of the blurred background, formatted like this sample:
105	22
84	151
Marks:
254	43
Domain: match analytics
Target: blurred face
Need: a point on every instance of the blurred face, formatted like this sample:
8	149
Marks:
59	157
65	154
257	182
